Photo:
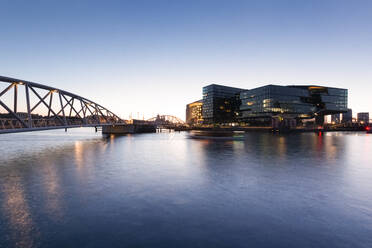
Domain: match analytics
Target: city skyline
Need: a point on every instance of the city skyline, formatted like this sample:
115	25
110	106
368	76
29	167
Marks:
151	58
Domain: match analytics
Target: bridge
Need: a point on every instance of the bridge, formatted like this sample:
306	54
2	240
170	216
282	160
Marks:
28	106
167	121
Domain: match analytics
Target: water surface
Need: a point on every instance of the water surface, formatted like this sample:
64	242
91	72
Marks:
80	189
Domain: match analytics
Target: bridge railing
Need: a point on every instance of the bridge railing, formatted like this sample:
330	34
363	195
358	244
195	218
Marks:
45	107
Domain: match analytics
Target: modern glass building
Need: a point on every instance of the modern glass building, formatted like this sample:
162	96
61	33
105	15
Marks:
298	102
220	104
194	113
224	105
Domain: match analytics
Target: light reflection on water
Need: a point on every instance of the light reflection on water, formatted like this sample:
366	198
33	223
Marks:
164	190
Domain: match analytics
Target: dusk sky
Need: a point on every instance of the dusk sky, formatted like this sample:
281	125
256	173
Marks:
155	56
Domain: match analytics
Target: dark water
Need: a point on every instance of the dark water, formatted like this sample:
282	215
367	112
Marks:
164	190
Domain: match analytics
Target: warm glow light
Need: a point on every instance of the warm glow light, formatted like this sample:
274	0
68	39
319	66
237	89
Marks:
195	104
316	88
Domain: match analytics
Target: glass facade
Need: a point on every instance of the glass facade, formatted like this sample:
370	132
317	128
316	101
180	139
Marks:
295	101
220	104
194	113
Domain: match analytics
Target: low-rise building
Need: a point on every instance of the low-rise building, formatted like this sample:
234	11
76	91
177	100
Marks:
347	117
363	118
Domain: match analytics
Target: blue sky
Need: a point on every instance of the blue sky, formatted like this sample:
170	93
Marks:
152	57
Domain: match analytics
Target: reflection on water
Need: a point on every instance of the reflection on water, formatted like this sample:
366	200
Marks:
82	189
15	207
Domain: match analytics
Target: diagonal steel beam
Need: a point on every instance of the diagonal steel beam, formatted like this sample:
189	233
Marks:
82	109
13	114
102	114
63	109
45	104
72	107
37	104
7	89
50	103
99	119
94	114
86	105
72	103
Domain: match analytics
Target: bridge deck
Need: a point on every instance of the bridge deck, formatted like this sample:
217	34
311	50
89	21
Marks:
20	130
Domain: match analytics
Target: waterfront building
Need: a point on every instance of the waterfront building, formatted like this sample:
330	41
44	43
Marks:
347	117
220	104
299	102
363	118
272	103
335	118
194	113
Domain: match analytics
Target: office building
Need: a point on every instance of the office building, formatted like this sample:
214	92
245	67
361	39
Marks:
299	102
194	113
220	104
262	105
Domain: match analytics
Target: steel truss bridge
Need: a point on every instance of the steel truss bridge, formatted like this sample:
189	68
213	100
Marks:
27	106
166	121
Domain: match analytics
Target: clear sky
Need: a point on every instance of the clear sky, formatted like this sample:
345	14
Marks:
155	56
